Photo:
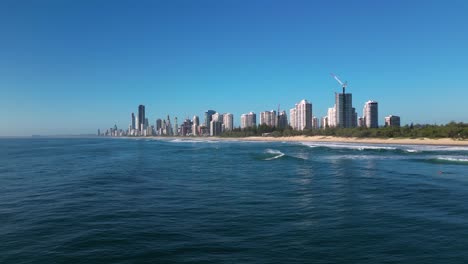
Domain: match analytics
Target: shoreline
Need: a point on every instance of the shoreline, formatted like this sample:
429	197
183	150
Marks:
330	139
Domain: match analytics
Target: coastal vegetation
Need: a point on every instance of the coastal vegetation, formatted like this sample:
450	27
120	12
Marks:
451	130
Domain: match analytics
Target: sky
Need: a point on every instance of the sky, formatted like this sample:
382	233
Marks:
71	67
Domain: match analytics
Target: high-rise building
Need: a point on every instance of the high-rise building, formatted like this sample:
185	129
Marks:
208	117
217	117
344	110
331	117
324	123
215	128
176	127
293	118
301	116
133	121
354	122
195	126
282	120
228	121
392	121
268	118
361	122
248	120
371	115
141	117
315	123
158	126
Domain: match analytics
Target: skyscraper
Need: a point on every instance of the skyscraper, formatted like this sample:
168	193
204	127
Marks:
208	117
301	116
228	121
371	115
133	121
282	120
344	110
215	127
217	117
195	126
268	118
248	120
141	117
393	121
293	119
159	126
331	117
315	122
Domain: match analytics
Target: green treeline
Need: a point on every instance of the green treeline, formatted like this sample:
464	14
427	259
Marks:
450	130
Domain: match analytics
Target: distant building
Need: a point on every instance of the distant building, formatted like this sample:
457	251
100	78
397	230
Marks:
324	123
208	117
133	121
216	128
371	115
217	117
141	118
195	126
331	117
301	116
228	121
315	123
282	120
248	120
344	110
392	121
186	127
361	122
159	126
268	118
293	118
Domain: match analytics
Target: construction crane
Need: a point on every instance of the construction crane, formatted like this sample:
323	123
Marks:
343	85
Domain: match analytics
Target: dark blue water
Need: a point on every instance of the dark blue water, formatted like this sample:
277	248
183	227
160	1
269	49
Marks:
174	201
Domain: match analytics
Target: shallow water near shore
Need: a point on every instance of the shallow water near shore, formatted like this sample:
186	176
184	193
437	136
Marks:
104	200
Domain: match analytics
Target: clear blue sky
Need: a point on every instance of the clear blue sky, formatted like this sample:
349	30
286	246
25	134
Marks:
75	66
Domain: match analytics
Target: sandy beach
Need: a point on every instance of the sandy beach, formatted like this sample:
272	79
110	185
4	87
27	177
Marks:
405	141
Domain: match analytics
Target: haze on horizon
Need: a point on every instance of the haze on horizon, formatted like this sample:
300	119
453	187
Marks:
71	67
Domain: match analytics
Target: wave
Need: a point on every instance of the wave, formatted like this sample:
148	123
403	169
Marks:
456	160
409	149
453	160
348	146
192	141
277	154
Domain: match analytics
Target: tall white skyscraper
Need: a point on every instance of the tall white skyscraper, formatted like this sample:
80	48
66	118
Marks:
195	125
324	123
331	114
293	118
248	120
371	114
301	116
268	118
228	121
217	117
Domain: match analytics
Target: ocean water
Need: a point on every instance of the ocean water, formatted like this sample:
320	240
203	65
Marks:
101	200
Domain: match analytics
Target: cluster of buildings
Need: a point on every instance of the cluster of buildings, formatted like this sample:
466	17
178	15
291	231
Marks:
341	115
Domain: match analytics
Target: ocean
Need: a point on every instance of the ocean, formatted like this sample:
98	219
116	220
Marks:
105	200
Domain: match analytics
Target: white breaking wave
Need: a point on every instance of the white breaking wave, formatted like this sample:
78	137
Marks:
278	154
455	159
347	146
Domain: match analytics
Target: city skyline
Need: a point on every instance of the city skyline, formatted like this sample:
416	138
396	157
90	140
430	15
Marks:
64	77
